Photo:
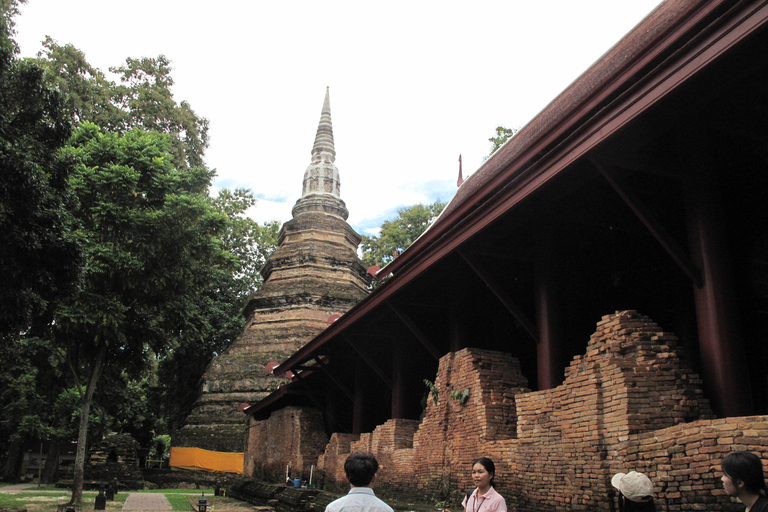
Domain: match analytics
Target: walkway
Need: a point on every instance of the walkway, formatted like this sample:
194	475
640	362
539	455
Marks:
146	501
17	487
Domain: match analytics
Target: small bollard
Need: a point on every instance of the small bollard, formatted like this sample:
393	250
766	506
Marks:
101	501
115	484
110	492
217	489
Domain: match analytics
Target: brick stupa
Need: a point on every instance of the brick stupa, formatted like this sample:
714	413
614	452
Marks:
315	273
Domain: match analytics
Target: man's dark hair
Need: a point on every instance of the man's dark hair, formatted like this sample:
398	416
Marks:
360	468
745	467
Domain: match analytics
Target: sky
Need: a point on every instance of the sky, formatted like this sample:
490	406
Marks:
413	84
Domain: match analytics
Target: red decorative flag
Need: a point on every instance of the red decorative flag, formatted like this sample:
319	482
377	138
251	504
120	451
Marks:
461	178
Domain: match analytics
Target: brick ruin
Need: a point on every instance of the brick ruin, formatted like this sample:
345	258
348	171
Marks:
629	403
315	273
115	457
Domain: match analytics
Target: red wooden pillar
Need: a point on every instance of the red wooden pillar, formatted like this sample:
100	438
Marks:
358	408
548	348
398	383
721	346
455	341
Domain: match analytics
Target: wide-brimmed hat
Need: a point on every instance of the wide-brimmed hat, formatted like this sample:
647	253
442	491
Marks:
633	485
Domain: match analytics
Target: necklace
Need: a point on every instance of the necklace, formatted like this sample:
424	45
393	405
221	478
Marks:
478	505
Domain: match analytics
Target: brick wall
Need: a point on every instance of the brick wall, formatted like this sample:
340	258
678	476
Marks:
632	380
629	403
292	436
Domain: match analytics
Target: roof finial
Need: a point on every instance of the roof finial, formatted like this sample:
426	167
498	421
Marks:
324	137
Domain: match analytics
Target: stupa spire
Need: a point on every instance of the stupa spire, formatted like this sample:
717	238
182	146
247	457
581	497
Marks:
324	137
321	190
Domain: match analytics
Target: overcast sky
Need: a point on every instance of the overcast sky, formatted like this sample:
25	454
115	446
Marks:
413	83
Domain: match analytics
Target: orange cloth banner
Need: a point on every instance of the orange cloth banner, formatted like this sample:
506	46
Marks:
197	458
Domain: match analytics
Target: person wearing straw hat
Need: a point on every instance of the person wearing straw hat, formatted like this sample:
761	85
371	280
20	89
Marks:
635	492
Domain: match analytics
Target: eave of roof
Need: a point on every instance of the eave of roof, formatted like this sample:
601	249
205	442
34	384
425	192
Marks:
593	107
627	61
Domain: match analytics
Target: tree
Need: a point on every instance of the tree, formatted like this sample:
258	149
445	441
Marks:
152	243
220	311
397	235
38	254
502	135
142	99
86	90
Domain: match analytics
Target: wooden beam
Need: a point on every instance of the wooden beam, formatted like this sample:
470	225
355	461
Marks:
646	165
310	393
415	330
649	221
344	389
370	362
502	296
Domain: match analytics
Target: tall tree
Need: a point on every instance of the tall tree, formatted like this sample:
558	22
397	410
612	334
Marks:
397	235
220	306
38	254
152	245
142	98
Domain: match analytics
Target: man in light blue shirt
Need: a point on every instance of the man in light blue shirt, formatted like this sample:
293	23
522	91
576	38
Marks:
360	469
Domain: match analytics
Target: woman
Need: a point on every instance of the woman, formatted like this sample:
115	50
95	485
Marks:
484	498
635	492
743	478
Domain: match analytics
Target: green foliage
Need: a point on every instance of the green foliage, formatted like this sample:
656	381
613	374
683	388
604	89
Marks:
39	255
86	90
397	235
29	389
461	396
145	96
161	447
150	244
142	99
119	268
8	10
502	135
220	305
432	390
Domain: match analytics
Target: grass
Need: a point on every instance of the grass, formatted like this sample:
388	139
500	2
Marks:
45	501
179	501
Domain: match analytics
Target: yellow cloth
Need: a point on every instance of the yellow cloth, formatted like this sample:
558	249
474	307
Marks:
197	458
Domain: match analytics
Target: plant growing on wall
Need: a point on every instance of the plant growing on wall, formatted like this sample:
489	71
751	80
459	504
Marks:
461	396
432	389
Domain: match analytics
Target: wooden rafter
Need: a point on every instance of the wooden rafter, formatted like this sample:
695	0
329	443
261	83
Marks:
502	296
370	362
415	330
649	221
344	389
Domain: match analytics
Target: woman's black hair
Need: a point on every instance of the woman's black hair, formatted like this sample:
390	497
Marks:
745	467
488	465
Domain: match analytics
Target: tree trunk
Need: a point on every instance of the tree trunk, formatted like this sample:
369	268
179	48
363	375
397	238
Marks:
51	462
82	435
12	469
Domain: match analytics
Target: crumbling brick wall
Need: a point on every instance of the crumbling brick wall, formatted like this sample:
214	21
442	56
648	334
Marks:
629	403
684	461
631	380
330	465
292	436
452	434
